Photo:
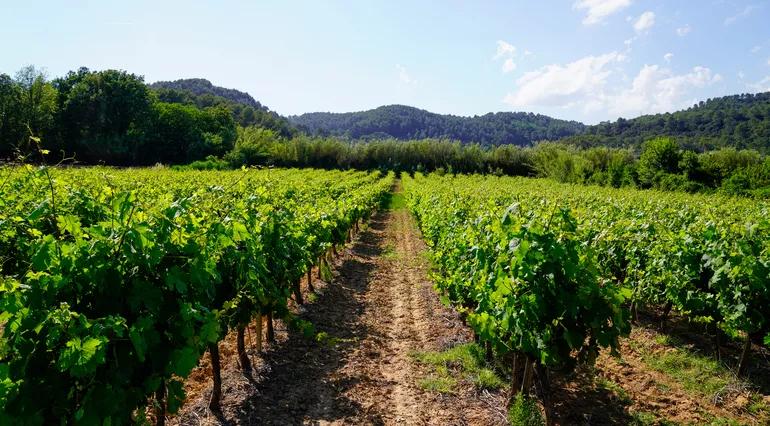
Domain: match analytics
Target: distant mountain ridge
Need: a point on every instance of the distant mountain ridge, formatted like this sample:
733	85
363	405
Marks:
405	122
201	86
740	121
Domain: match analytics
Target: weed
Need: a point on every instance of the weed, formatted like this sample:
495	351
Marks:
609	385
397	201
445	385
463	362
696	372
642	418
525	412
487	379
757	406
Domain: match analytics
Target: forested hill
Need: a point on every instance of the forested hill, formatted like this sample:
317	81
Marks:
739	121
404	122
201	86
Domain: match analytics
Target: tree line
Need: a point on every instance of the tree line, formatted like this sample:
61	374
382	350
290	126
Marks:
407	123
740	121
112	117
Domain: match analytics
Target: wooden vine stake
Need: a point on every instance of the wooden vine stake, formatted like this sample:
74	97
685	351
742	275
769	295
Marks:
320	260
544	379
666	312
528	373
743	363
297	292
270	332
243	359
259	332
488	347
216	394
514	379
310	278
160	398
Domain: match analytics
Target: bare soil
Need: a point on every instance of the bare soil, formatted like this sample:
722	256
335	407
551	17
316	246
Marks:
379	307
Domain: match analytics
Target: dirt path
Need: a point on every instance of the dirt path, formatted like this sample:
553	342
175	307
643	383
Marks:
379	307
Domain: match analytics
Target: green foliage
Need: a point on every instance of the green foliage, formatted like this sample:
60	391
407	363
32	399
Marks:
444	385
740	121
211	163
658	156
520	271
114	282
200	87
525	412
405	123
462	362
244	109
102	114
552	273
698	373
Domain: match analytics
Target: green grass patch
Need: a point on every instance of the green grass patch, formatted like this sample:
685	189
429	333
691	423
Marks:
642	418
525	412
445	385
464	362
696	372
397	201
390	252
757	406
610	386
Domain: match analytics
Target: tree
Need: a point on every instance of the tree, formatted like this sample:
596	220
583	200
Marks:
659	155
37	100
11	128
102	114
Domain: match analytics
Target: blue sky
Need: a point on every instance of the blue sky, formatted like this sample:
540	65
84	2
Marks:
588	60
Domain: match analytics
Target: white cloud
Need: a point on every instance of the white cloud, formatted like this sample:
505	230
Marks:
717	78
585	84
504	49
527	52
741	75
644	23
629	18
761	86
747	11
756	49
622	58
629	42
656	90
563	86
667	57
508	65
683	31
404	75
599	9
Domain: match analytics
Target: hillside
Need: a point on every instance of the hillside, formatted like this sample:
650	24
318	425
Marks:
244	115
740	121
201	86
404	122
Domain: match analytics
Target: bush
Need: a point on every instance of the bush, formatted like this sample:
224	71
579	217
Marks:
211	163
